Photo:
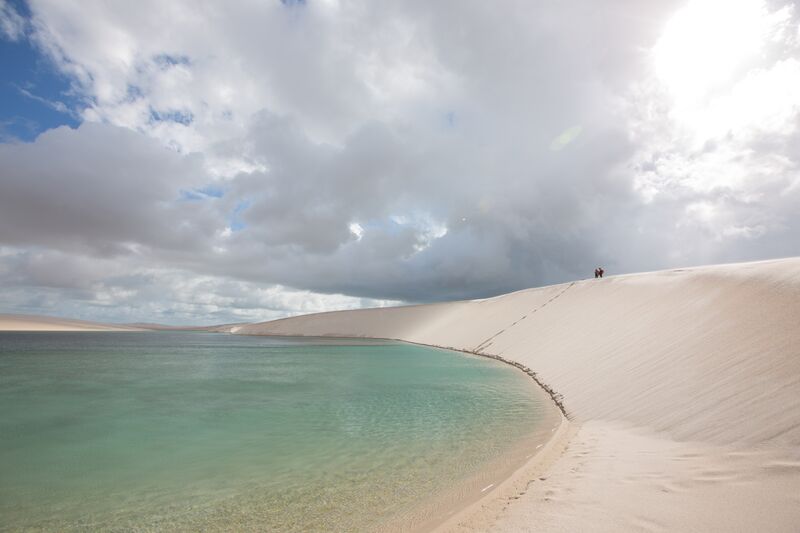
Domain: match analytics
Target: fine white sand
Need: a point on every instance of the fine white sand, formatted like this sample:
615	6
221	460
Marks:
683	389
44	323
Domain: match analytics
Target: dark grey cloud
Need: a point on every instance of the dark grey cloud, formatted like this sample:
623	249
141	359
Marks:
100	189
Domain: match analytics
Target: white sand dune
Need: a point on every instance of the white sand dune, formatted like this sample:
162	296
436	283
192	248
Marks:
683	389
153	326
44	323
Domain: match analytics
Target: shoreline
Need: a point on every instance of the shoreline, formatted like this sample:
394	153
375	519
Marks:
557	398
517	482
482	513
514	483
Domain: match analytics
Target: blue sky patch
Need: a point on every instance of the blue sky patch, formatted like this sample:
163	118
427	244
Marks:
235	221
214	191
134	92
203	193
166	61
181	117
34	95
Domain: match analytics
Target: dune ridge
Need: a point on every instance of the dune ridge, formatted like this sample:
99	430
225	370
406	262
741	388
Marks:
18	322
683	386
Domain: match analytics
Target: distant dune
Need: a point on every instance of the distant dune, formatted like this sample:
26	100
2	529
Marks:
683	387
44	323
11	322
151	326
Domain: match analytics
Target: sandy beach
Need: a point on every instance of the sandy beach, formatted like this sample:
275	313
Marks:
682	389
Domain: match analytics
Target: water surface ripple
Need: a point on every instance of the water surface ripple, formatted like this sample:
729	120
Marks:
195	431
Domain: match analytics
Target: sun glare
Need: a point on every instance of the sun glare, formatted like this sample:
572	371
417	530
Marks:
713	59
706	43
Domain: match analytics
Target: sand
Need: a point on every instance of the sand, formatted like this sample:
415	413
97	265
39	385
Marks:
44	323
682	389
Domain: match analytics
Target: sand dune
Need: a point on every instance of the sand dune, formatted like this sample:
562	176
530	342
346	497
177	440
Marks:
683	387
10	322
44	323
153	326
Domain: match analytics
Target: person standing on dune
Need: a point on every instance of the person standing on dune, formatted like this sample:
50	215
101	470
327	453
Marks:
600	272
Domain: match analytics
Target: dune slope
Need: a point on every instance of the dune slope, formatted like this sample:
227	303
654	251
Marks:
684	388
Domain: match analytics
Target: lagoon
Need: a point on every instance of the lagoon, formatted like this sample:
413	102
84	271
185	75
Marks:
202	431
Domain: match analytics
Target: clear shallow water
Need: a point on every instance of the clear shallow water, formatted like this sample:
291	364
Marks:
190	431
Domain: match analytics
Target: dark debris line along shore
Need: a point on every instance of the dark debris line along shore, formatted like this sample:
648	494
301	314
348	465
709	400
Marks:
557	397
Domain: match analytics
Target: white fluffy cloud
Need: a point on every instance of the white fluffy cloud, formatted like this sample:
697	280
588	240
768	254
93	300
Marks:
239	159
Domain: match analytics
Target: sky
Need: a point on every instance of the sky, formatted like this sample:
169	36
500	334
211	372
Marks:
212	162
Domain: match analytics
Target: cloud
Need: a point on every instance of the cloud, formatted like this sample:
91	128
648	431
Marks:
12	24
100	189
123	290
264	154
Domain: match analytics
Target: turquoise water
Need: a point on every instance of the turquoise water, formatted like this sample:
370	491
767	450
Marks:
195	431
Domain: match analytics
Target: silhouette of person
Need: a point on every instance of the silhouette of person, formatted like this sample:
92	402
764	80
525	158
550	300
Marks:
600	271
596	273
